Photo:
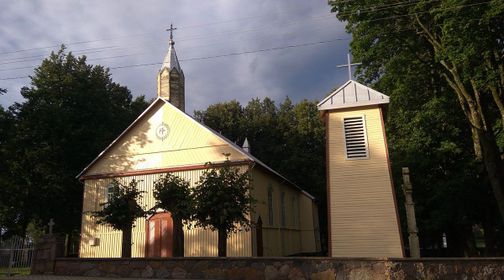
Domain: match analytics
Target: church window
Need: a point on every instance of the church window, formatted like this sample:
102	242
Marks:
356	146
295	211
282	209
270	206
111	192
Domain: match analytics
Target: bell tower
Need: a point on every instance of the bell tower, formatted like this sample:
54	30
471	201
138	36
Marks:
170	79
362	213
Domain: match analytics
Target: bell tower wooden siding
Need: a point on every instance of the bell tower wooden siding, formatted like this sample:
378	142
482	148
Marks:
362	211
172	87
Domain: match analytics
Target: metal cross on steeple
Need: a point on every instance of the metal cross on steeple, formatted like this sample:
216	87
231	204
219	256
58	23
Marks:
349	65
171	29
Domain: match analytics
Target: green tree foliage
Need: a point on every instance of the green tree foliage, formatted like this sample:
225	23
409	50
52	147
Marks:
288	137
121	211
442	64
225	118
71	112
223	200
172	194
7	201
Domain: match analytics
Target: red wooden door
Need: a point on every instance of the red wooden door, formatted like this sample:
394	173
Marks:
160	235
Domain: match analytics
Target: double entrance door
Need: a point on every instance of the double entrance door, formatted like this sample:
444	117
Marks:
160	236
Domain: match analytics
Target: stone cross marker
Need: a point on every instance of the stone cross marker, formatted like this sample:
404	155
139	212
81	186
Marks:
349	66
51	224
410	214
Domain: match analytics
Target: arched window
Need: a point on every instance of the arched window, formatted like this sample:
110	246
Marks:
282	209
270	206
295	212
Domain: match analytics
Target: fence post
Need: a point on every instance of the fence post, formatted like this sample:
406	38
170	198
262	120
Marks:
11	258
410	214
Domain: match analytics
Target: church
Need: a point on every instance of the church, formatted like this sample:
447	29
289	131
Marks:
164	139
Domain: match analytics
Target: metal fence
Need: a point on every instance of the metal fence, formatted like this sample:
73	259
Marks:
15	253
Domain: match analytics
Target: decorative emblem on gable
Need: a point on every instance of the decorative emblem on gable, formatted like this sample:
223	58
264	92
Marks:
162	131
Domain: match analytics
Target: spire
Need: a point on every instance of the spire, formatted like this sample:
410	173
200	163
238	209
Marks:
171	77
171	60
246	145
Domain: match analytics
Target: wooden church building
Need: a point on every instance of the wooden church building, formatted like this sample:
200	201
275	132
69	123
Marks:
164	139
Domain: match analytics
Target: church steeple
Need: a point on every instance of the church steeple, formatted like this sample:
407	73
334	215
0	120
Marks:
171	77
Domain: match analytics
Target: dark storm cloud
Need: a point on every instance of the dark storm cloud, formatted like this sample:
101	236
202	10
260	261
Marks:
123	33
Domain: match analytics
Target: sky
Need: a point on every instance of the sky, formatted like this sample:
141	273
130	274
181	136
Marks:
232	49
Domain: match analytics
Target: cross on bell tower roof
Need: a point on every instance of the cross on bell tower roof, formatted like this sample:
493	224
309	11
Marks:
171	61
349	66
171	29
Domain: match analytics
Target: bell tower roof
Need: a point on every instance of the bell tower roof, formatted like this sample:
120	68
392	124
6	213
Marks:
170	78
171	61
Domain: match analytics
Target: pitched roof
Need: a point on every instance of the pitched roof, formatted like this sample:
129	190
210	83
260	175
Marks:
232	144
352	94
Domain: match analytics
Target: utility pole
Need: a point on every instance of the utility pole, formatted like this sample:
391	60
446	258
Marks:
407	187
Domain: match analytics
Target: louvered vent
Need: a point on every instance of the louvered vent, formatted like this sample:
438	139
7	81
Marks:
355	138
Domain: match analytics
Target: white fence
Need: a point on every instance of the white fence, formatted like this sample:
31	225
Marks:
16	252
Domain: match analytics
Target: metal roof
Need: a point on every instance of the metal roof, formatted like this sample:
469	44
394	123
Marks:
171	61
352	94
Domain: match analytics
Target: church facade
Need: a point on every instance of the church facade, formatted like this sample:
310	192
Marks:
164	139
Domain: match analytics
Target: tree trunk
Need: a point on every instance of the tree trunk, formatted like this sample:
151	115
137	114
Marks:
178	237
494	167
470	249
222	247
126	243
476	115
490	237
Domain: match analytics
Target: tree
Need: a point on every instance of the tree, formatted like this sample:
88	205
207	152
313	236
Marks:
223	200
436	60
121	211
71	112
7	198
172	194
226	118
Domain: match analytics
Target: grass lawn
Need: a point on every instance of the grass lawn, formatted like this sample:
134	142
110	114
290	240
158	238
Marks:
16	270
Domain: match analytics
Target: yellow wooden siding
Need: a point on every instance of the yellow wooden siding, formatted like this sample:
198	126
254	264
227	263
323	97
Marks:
298	233
188	143
363	215
308	225
198	241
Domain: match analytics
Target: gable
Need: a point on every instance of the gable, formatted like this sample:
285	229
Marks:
182	142
352	94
